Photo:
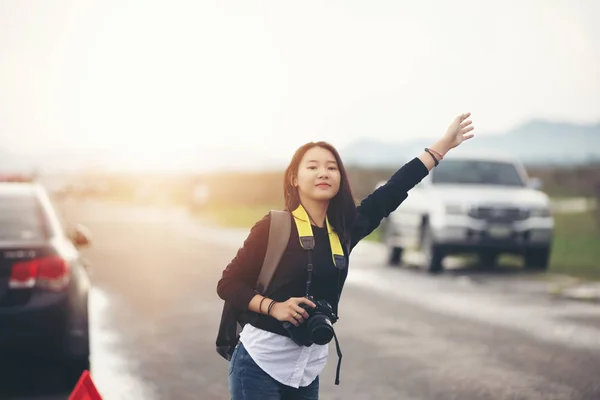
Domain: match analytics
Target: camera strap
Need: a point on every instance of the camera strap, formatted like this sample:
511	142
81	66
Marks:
307	241
339	354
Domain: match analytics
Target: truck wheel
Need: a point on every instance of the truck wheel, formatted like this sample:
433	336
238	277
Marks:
395	255
488	258
432	252
537	259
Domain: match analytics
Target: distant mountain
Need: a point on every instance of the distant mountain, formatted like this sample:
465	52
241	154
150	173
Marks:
56	160
186	160
534	143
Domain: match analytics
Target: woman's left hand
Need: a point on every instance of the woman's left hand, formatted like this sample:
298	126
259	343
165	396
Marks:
458	131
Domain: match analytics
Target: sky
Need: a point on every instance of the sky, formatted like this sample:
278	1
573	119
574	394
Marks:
144	80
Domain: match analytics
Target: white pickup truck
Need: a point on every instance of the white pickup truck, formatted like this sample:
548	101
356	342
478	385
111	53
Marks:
473	205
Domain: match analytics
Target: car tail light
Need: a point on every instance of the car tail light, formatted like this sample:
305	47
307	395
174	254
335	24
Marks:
53	273
50	272
24	274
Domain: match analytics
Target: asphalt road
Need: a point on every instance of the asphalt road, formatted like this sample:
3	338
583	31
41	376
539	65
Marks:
468	334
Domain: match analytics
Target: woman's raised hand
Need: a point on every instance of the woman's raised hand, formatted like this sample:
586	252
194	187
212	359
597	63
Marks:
458	131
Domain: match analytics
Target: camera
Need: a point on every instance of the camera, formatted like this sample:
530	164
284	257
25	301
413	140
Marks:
318	328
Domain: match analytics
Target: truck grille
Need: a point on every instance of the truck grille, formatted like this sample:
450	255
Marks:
499	214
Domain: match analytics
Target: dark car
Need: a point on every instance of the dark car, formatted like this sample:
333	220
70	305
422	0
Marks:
44	283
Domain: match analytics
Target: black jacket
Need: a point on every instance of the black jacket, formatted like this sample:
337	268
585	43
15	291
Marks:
236	285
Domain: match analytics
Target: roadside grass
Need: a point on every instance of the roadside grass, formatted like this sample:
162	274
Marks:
575	250
576	247
235	215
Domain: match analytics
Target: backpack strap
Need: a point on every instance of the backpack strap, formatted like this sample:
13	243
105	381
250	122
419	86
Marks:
279	234
230	326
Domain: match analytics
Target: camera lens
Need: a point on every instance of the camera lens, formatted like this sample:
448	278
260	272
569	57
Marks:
320	329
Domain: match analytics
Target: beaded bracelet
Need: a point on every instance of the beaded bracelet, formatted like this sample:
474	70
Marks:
435	160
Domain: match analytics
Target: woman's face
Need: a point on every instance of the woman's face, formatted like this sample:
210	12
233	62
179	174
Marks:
318	175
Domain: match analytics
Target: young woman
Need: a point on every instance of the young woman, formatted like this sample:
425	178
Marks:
268	364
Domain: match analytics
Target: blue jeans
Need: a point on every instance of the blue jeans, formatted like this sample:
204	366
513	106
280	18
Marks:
247	381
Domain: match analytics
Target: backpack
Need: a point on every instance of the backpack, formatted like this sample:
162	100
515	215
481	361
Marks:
232	320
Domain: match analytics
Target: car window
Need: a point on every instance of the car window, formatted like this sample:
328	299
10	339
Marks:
477	172
21	218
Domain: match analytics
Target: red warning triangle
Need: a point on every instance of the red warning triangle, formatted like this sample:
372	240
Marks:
85	389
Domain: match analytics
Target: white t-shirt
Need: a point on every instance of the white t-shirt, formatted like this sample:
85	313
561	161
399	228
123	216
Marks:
281	358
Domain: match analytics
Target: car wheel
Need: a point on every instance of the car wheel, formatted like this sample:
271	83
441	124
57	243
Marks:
537	259
77	358
432	252
395	255
73	369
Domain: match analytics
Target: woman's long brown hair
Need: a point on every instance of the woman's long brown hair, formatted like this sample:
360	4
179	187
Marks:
342	208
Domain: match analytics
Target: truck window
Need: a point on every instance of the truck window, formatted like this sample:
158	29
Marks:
475	172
